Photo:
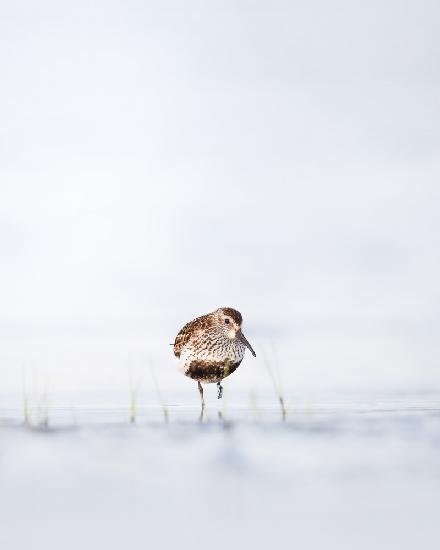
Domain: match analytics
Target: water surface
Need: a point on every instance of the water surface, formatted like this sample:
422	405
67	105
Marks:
337	471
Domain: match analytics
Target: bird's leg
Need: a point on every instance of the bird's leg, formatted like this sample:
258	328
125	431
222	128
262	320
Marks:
201	393
220	390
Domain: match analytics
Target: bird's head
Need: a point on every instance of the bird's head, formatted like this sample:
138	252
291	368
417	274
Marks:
229	322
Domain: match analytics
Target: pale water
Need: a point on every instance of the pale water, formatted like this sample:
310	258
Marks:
342	471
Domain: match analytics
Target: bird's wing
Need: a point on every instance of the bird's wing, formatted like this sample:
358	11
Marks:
189	331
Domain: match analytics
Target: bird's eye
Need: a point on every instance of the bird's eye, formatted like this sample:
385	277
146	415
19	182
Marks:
227	321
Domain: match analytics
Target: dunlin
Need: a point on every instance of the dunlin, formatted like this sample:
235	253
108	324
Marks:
212	347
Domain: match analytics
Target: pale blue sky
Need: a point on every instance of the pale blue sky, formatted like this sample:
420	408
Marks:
162	159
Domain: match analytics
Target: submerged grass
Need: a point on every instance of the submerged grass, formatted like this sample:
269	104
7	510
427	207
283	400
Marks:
35	398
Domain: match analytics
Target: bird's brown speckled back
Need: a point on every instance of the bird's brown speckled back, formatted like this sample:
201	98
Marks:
190	329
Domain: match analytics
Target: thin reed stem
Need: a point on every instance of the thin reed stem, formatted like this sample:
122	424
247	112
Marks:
25	397
158	392
275	378
133	388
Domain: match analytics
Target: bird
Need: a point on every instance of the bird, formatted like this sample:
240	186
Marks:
211	347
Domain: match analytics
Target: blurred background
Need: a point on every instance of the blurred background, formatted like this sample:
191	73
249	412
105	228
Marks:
163	159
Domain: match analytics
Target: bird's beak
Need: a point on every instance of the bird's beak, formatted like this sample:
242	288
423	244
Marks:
243	340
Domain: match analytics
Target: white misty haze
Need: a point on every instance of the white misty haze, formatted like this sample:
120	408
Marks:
159	160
